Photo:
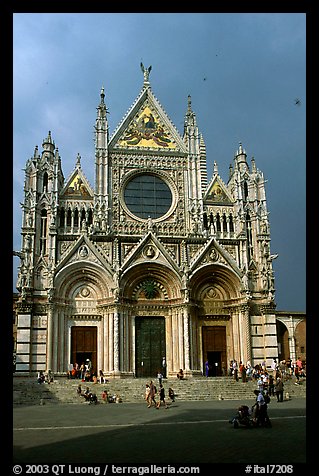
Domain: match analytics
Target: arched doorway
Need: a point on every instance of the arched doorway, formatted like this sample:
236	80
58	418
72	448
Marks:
283	342
84	345
80	287
149	290
214	288
214	349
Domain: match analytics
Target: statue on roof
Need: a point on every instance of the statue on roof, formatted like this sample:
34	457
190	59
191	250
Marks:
146	72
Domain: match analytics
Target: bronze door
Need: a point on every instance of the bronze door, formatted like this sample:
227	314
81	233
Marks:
214	350
150	346
84	345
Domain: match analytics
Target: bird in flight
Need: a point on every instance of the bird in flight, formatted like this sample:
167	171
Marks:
297	102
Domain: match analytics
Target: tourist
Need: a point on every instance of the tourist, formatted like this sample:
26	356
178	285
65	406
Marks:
161	397
41	377
180	374
105	396
271	385
207	368
102	379
279	388
151	398
296	373
160	377
82	371
235	370
147	393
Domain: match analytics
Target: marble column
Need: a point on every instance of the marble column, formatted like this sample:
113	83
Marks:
186	339
49	361
116	342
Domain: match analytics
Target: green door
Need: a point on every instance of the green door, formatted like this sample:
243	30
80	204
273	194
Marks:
150	346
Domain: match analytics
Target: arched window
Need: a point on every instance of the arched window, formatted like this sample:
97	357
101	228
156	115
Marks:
249	237
205	221
69	218
62	217
45	182
231	224
76	218
83	217
43	232
218	225
211	220
224	223
245	190
90	217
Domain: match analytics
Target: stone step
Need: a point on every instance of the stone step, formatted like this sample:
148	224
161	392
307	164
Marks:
26	390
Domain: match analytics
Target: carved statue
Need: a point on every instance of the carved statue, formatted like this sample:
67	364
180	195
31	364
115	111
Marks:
146	72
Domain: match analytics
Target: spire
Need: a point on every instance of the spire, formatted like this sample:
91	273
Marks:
240	150
215	168
101	123
102	109
240	158
78	161
230	170
190	112
48	144
253	165
48	140
190	117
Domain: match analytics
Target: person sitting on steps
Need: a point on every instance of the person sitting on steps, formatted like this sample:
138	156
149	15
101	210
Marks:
180	374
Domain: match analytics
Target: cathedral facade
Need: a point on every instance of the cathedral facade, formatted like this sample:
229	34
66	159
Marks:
156	267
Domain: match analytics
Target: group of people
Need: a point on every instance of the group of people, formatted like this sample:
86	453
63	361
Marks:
86	373
151	392
282	370
45	377
91	397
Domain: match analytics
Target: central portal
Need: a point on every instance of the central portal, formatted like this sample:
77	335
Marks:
214	350
150	346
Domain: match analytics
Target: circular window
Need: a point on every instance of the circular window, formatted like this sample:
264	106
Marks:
147	196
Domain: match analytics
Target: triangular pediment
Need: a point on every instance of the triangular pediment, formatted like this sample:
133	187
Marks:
149	249
83	250
146	126
213	253
77	186
217	192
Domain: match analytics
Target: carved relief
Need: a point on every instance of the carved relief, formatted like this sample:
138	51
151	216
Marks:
39	321
83	251
149	252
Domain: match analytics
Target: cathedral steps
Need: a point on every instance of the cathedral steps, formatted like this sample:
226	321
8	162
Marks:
26	390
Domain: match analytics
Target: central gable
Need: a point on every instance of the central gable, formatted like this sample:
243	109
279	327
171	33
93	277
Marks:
146	126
